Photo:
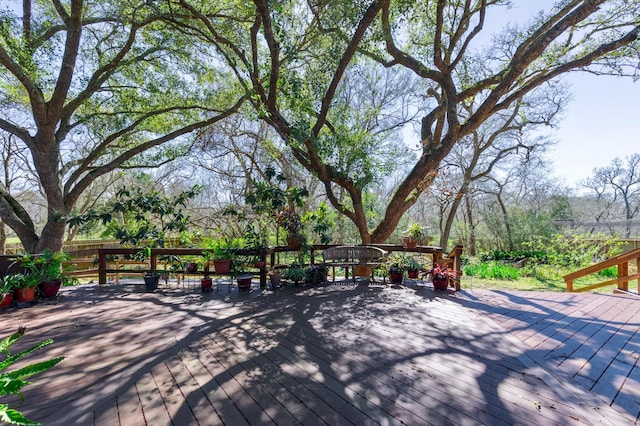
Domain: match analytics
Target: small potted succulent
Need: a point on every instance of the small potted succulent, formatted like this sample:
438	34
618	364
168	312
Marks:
442	277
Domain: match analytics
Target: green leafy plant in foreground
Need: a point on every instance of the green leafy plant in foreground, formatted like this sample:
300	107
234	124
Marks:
12	382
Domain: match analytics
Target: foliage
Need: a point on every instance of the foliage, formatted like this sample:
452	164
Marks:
8	283
273	194
441	271
315	274
514	255
12	382
295	273
412	264
141	217
27	280
132	91
416	231
289	220
493	270
322	222
223	248
575	251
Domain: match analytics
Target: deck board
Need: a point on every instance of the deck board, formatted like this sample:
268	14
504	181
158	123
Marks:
333	354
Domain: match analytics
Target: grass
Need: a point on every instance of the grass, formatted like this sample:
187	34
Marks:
494	275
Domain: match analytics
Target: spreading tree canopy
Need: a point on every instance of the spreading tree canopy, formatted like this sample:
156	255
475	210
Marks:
93	86
293	57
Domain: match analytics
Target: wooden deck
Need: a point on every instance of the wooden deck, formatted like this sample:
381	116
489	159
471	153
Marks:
332	354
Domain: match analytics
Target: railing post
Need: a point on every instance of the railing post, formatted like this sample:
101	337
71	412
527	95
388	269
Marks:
623	272
569	285
456	255
154	260
638	271
102	266
263	269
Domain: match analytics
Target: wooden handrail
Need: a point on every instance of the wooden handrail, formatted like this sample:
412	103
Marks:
621	261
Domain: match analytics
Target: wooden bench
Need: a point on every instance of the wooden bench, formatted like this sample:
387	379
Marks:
351	257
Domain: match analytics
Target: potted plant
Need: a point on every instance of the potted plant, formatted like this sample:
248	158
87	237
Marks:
51	266
26	285
442	277
221	253
206	284
295	273
412	266
290	221
255	241
316	274
7	287
275	276
395	273
243	278
413	235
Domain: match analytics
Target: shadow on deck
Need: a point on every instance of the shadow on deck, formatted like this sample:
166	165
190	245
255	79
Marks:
331	354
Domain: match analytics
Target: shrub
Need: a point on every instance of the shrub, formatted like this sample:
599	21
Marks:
495	270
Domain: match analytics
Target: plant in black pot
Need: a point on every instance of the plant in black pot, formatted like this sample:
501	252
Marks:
243	278
316	274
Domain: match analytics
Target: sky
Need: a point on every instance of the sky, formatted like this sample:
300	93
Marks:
601	122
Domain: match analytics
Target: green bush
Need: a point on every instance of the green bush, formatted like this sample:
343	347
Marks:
609	272
495	270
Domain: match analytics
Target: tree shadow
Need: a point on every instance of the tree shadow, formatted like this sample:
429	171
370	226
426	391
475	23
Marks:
332	353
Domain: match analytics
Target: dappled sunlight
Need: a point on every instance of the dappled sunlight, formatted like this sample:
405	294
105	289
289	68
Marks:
346	353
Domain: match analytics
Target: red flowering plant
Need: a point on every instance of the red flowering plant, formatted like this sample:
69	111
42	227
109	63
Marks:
442	272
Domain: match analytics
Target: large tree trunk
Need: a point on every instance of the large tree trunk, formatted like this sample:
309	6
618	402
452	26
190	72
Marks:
3	238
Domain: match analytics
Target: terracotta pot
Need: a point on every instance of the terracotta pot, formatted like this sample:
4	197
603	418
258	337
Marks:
412	273
26	294
50	288
206	284
363	271
5	300
259	265
244	282
440	284
409	242
222	266
275	279
191	267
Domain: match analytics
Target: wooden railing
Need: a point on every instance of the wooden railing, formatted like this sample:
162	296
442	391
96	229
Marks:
622	281
85	259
